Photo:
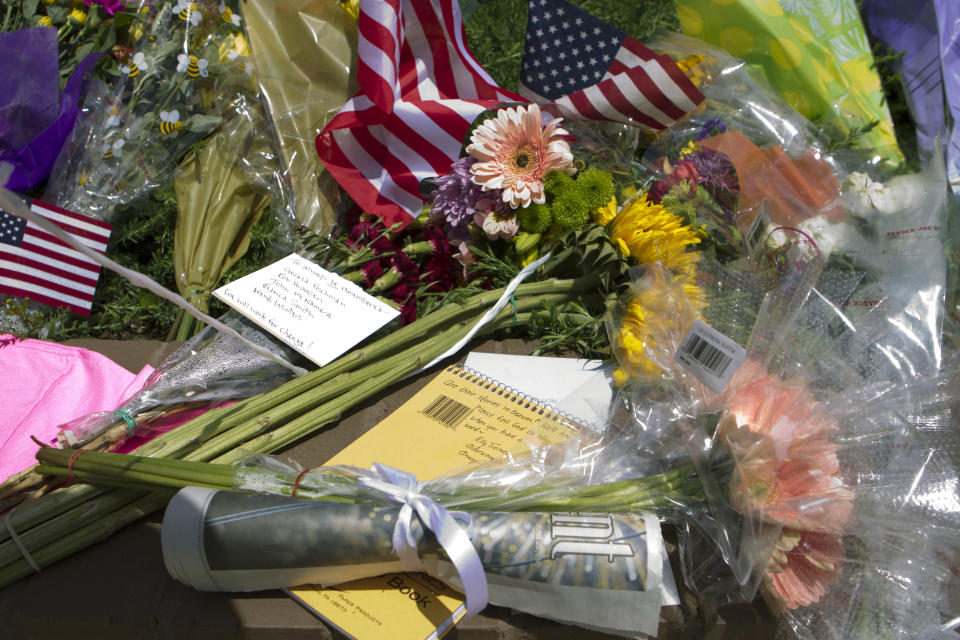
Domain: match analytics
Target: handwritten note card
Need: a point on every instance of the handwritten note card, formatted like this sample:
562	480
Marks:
316	312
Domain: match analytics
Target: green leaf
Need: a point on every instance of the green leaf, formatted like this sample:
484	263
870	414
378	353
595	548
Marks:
57	13
82	51
123	19
106	36
147	300
30	9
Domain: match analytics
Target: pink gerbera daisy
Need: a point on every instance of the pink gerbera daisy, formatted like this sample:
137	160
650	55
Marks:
515	150
788	469
796	492
802	566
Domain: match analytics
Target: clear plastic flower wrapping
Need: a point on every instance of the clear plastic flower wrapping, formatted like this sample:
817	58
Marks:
189	64
209	368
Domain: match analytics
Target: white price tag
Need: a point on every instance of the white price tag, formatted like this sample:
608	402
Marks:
710	356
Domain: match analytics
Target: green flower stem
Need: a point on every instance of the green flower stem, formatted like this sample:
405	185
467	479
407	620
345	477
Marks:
173	443
650	493
307	409
135	468
6	20
62	526
622	496
327	401
69	540
626	495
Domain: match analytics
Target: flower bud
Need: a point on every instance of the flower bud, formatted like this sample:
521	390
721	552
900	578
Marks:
525	242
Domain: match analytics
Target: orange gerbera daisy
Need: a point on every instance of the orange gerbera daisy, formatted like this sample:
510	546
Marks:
515	150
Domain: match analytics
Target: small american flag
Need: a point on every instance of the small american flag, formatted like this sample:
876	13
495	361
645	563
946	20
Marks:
37	265
592	70
421	88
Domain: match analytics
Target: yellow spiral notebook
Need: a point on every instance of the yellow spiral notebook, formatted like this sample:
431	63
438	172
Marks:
459	418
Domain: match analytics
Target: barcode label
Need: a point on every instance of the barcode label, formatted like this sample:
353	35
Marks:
446	411
756	233
710	356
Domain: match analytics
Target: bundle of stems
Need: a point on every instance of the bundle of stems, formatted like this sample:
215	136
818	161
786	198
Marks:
55	525
291	400
659	491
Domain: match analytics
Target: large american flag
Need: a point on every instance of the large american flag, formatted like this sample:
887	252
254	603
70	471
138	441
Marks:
37	265
592	70
421	88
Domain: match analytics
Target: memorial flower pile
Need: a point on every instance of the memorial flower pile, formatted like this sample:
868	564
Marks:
768	296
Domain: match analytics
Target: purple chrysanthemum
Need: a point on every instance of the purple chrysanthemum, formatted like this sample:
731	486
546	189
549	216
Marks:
457	198
715	170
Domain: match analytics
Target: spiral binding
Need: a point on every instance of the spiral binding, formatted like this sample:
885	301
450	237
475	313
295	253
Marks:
512	394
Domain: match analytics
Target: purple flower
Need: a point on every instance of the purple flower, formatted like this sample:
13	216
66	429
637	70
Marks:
456	197
716	171
371	272
711	127
110	6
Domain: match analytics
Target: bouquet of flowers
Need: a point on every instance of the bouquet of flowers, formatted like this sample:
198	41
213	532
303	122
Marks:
758	175
777	203
826	442
184	61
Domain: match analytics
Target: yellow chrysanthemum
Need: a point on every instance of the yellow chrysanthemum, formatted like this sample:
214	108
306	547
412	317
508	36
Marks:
690	148
606	213
656	319
650	233
44	21
692	68
77	16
